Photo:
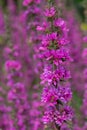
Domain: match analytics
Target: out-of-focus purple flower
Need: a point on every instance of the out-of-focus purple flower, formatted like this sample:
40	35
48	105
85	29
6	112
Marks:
43	27
12	64
27	2
84	55
85	39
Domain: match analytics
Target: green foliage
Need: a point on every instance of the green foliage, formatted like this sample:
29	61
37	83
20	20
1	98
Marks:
77	99
77	1
84	26
76	103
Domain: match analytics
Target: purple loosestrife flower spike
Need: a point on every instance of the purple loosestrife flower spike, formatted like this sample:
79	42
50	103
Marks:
56	93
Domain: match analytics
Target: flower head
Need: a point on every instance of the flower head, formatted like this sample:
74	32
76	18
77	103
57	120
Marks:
50	12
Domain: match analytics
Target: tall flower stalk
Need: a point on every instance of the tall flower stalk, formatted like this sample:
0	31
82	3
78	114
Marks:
56	94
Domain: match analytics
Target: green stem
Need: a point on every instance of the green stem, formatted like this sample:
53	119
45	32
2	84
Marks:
58	127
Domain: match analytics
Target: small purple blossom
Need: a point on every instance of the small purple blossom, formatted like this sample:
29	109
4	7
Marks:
50	12
53	95
53	77
59	117
50	95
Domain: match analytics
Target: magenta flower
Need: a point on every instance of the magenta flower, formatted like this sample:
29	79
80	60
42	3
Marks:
61	23
84	55
50	12
53	95
50	95
53	115
85	39
12	64
27	2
